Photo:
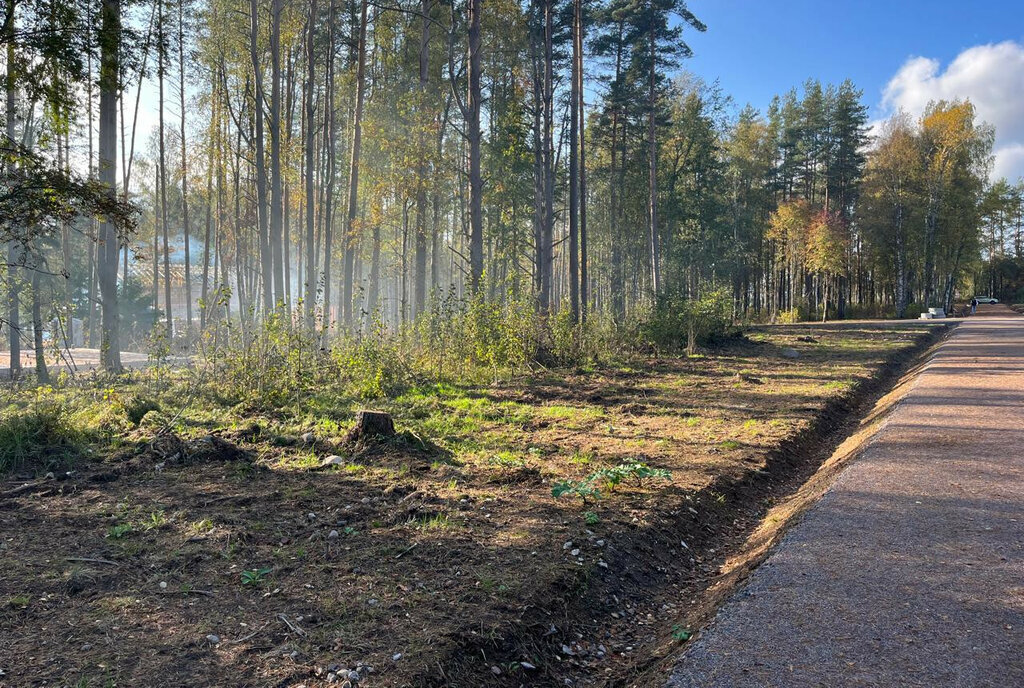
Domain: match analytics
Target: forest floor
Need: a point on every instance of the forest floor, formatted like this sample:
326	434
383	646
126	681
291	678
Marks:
226	555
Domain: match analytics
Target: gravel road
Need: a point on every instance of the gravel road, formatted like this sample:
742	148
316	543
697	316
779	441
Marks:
910	570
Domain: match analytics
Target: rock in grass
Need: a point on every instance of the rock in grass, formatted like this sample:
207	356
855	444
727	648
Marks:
308	438
790	353
333	535
333	460
213	639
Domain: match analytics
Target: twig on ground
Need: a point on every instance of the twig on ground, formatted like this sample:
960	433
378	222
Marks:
89	560
250	636
407	550
291	625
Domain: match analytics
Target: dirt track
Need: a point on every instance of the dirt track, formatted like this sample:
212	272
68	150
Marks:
910	571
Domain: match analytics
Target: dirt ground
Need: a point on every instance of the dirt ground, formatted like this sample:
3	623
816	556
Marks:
439	558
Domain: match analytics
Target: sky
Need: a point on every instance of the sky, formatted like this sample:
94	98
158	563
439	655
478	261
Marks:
901	53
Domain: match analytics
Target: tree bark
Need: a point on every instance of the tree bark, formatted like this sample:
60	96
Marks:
161	73
420	278
110	45
184	174
276	216
584	285
13	249
652	168
351	244
476	185
266	262
311	270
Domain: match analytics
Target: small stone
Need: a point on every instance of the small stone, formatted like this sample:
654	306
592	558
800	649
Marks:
527	665
496	671
332	677
683	543
213	639
333	535
372	602
311	516
567	545
333	460
566	650
163	585
397	656
790	353
365	500
49	476
353	676
575	553
308	437
603	564
86	647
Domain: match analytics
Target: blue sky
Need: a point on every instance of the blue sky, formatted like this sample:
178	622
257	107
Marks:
757	48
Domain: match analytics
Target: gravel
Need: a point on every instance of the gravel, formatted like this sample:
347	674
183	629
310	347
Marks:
908	571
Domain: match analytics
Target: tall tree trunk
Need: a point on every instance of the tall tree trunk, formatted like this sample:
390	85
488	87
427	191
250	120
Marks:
266	262
574	171
476	184
276	216
14	249
311	271
618	287
331	137
184	173
351	244
548	225
161	73
109	82
420	279
584	285
652	167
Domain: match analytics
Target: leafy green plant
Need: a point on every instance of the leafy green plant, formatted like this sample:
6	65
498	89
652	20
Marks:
254	577
591	519
583	489
635	470
155	520
116	532
610	477
681	634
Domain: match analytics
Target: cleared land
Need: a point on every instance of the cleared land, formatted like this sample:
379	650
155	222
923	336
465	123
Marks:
202	543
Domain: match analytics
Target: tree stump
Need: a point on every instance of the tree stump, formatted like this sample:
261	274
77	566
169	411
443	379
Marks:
371	424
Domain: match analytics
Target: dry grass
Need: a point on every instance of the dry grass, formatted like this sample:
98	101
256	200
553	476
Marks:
443	546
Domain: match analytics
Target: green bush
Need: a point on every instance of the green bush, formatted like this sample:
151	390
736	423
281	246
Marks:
39	436
678	323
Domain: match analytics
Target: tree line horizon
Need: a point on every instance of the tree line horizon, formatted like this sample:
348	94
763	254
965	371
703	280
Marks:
353	163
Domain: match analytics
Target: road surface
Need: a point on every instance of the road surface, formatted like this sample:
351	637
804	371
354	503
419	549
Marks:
910	570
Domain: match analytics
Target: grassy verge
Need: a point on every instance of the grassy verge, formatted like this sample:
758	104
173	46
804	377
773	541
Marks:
439	557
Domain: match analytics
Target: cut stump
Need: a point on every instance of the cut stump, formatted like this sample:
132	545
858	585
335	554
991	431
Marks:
371	424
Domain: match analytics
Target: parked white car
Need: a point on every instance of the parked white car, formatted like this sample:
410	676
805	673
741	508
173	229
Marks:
986	299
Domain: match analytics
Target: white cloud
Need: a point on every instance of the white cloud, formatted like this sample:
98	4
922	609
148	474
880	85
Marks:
991	76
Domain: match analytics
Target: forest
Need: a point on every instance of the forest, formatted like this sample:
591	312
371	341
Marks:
435	342
351	167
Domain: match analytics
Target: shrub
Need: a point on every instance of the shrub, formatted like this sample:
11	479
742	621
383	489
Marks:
39	435
610	477
678	323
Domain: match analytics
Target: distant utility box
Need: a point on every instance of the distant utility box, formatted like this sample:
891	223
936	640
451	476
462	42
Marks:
934	314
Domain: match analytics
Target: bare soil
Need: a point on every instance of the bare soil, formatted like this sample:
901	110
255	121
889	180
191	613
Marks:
438	557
